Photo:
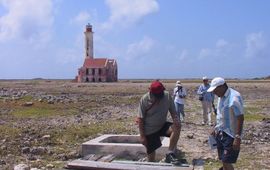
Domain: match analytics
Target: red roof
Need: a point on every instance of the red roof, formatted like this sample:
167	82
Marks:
95	63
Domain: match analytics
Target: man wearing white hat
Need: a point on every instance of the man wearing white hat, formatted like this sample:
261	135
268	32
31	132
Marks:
207	100
179	94
229	125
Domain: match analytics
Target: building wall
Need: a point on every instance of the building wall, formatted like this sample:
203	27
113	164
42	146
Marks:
106	74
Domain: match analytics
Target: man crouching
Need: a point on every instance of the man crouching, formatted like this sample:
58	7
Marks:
152	119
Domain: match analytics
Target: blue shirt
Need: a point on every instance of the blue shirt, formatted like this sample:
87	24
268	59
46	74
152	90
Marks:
228	108
207	96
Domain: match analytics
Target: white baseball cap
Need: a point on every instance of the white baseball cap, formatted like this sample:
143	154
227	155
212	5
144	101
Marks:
218	81
205	78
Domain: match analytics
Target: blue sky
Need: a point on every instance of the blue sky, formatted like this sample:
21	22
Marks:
149	38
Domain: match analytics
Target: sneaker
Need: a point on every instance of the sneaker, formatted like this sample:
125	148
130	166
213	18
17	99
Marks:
210	124
171	158
203	123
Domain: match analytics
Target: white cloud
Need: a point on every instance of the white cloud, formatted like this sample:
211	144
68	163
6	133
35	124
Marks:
82	18
205	52
28	20
125	13
140	48
183	55
221	49
255	44
221	43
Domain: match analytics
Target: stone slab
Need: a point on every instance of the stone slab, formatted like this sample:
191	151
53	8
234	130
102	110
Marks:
96	165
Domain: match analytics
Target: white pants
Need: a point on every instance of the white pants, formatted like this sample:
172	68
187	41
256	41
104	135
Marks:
207	110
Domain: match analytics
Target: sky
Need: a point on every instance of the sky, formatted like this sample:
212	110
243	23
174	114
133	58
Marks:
165	39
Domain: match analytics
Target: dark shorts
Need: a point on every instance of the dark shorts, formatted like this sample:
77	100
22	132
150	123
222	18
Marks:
153	140
226	153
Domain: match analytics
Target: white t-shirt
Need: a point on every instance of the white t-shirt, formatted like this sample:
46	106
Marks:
177	93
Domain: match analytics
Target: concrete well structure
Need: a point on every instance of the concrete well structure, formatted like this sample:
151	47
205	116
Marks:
121	145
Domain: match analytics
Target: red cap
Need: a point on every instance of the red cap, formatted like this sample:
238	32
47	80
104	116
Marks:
156	87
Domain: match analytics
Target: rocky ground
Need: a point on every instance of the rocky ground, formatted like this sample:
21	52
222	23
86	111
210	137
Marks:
43	122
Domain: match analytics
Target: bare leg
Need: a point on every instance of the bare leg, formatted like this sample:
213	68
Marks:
151	156
227	166
174	136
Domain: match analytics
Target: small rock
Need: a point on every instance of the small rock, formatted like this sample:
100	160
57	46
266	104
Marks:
25	150
2	162
27	104
46	137
50	102
190	136
49	166
3	147
31	158
38	150
22	167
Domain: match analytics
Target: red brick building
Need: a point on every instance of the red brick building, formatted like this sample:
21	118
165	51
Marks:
96	69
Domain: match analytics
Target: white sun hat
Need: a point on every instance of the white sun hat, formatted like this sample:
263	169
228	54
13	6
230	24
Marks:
178	83
218	81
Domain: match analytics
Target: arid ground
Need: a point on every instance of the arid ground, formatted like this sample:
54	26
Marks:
44	122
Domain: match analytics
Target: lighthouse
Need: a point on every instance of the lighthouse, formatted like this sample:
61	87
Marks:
89	42
95	69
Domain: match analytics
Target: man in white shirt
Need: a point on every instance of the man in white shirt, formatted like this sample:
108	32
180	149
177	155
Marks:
230	119
179	94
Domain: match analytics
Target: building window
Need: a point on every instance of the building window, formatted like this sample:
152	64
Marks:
93	79
87	80
99	71
93	71
87	71
99	79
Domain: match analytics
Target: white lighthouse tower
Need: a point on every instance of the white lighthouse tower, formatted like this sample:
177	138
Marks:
89	50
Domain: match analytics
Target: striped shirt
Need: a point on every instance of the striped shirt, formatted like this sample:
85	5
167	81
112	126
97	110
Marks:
228	108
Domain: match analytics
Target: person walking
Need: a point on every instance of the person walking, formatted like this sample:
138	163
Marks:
152	120
179	94
229	122
207	101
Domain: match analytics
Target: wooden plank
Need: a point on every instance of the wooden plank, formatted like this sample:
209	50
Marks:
142	163
97	165
107	158
92	157
150	163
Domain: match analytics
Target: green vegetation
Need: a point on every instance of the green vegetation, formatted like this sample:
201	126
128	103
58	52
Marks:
9	133
77	133
40	110
254	117
212	164
26	98
253	111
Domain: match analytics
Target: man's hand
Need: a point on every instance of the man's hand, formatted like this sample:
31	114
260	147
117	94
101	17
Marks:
143	140
236	144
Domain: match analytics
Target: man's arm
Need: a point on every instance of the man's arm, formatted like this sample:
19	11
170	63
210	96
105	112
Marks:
140	121
141	130
184	92
238	132
200	92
